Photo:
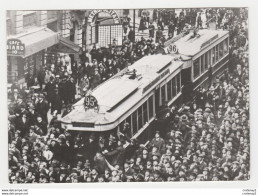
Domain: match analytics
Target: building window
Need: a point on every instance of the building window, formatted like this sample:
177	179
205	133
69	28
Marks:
196	67
51	16
125	12
169	90
29	20
150	101
8	27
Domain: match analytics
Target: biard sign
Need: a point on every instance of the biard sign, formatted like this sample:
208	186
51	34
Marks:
15	47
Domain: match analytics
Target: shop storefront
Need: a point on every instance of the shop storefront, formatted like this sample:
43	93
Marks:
25	53
104	28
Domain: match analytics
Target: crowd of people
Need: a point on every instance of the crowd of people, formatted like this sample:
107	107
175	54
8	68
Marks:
208	140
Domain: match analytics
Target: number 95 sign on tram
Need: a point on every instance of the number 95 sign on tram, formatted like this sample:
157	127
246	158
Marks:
90	102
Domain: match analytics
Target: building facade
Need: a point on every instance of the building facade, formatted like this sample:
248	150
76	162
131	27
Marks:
38	38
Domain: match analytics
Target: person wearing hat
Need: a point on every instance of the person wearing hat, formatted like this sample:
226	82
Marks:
159	34
42	108
158	142
151	30
23	124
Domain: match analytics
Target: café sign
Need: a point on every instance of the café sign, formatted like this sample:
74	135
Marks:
112	13
15	47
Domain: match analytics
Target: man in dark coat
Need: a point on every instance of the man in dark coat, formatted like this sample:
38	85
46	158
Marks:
23	125
117	155
42	125
131	34
159	34
70	90
151	30
56	104
41	77
50	89
42	107
96	80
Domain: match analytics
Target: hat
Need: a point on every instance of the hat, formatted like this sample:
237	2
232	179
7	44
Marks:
184	117
211	88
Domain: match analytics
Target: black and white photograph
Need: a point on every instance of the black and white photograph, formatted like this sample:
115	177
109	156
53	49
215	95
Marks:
128	95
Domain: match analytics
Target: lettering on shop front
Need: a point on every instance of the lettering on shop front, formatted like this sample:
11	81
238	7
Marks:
110	12
15	47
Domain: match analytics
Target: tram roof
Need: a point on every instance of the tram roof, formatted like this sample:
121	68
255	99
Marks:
119	94
191	46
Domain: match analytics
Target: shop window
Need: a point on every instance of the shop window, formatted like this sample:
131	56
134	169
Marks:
145	113
173	87
169	90
150	101
196	67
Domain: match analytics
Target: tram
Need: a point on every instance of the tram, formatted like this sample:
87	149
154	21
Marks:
205	54
132	96
135	94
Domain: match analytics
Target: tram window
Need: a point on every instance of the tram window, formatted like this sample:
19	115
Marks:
213	55
206	64
225	46
134	121
201	63
169	90
174	87
178	83
145	113
196	67
217	52
140	122
127	131
163	94
221	50
150	107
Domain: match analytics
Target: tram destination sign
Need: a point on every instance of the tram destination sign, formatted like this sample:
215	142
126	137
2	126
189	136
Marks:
209	41
15	47
90	102
155	81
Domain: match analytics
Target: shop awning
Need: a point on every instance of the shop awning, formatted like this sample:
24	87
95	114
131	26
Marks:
39	40
66	46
